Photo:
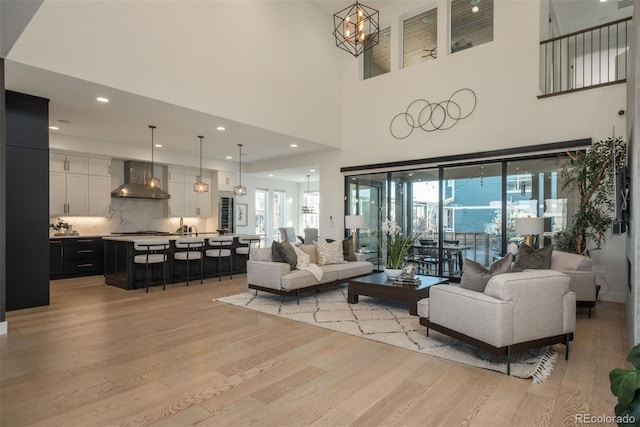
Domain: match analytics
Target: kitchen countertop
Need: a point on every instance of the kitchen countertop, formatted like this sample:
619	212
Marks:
78	236
136	237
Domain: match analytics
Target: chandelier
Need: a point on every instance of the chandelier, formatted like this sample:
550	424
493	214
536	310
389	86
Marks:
307	209
200	186
356	28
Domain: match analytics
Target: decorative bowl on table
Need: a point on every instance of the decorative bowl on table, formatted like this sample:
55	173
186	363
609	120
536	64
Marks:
222	231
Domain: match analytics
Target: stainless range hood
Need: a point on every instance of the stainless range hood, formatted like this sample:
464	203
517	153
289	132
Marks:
135	175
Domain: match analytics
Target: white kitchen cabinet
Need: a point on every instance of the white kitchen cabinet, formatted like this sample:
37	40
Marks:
99	195
79	185
176	202
226	180
99	167
176	174
184	201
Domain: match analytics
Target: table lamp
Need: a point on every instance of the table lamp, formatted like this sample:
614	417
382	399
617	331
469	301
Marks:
354	222
530	228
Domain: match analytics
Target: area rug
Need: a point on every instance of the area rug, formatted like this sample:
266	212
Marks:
389	322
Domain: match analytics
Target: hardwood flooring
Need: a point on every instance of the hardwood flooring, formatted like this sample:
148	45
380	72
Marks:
103	356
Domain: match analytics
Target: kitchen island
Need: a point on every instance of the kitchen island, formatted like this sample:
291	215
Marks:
121	271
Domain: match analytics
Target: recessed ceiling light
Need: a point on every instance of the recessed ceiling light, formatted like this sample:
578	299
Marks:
54	127
102	99
474	9
158	145
229	157
270	174
293	145
221	128
312	170
602	1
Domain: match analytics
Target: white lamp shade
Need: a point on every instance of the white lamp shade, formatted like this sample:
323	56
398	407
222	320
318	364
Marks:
353	221
530	225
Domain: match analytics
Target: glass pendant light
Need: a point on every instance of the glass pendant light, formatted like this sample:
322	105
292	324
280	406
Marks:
307	209
151	181
200	186
239	190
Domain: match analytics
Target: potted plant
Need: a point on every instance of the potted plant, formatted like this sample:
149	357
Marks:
396	245
625	385
591	174
60	225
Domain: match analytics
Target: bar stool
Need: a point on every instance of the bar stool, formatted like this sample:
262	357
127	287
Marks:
251	241
189	249
155	253
221	248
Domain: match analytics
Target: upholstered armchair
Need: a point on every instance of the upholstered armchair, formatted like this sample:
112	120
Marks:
582	278
516	312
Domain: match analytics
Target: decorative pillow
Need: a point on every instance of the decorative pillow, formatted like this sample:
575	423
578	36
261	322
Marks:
312	251
529	258
303	258
475	277
330	253
347	249
284	252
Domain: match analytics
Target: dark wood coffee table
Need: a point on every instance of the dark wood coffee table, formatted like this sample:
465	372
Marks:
380	286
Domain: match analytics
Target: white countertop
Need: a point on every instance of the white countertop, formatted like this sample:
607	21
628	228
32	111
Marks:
136	237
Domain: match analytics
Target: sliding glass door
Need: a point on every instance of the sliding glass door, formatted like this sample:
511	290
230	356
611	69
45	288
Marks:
367	197
462	211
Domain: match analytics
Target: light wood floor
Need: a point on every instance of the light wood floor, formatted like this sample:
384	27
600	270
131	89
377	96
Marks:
102	356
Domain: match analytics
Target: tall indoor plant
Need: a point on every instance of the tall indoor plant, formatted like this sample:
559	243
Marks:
591	174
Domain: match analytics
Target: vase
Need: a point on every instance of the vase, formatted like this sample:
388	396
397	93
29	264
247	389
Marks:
392	273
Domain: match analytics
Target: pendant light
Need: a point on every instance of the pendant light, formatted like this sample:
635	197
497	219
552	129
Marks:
306	209
200	186
151	181
239	190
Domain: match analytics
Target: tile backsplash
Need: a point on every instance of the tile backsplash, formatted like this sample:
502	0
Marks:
129	215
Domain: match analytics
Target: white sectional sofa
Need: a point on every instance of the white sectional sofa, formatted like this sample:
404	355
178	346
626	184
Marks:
263	274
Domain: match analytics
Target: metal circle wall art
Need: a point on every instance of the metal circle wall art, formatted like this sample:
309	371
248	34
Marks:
430	116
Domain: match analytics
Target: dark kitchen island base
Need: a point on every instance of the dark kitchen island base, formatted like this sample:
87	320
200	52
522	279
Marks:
121	271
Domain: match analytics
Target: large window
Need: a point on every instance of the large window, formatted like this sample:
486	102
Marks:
377	60
420	38
471	23
279	200
262	209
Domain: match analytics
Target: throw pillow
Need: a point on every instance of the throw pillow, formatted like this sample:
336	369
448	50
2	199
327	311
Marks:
312	251
529	258
284	252
330	253
303	258
347	249
475	277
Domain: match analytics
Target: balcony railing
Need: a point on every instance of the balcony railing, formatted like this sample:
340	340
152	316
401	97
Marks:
585	59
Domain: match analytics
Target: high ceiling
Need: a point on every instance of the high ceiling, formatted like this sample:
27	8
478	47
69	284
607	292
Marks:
124	120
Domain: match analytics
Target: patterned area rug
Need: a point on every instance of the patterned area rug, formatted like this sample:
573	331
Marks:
390	323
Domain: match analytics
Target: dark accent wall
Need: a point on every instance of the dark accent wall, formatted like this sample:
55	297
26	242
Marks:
3	194
27	201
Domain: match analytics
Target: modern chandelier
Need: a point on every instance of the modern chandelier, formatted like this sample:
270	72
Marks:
151	181
239	190
200	186
356	28
307	209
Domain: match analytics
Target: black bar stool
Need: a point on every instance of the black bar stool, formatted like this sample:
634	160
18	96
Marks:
189	249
